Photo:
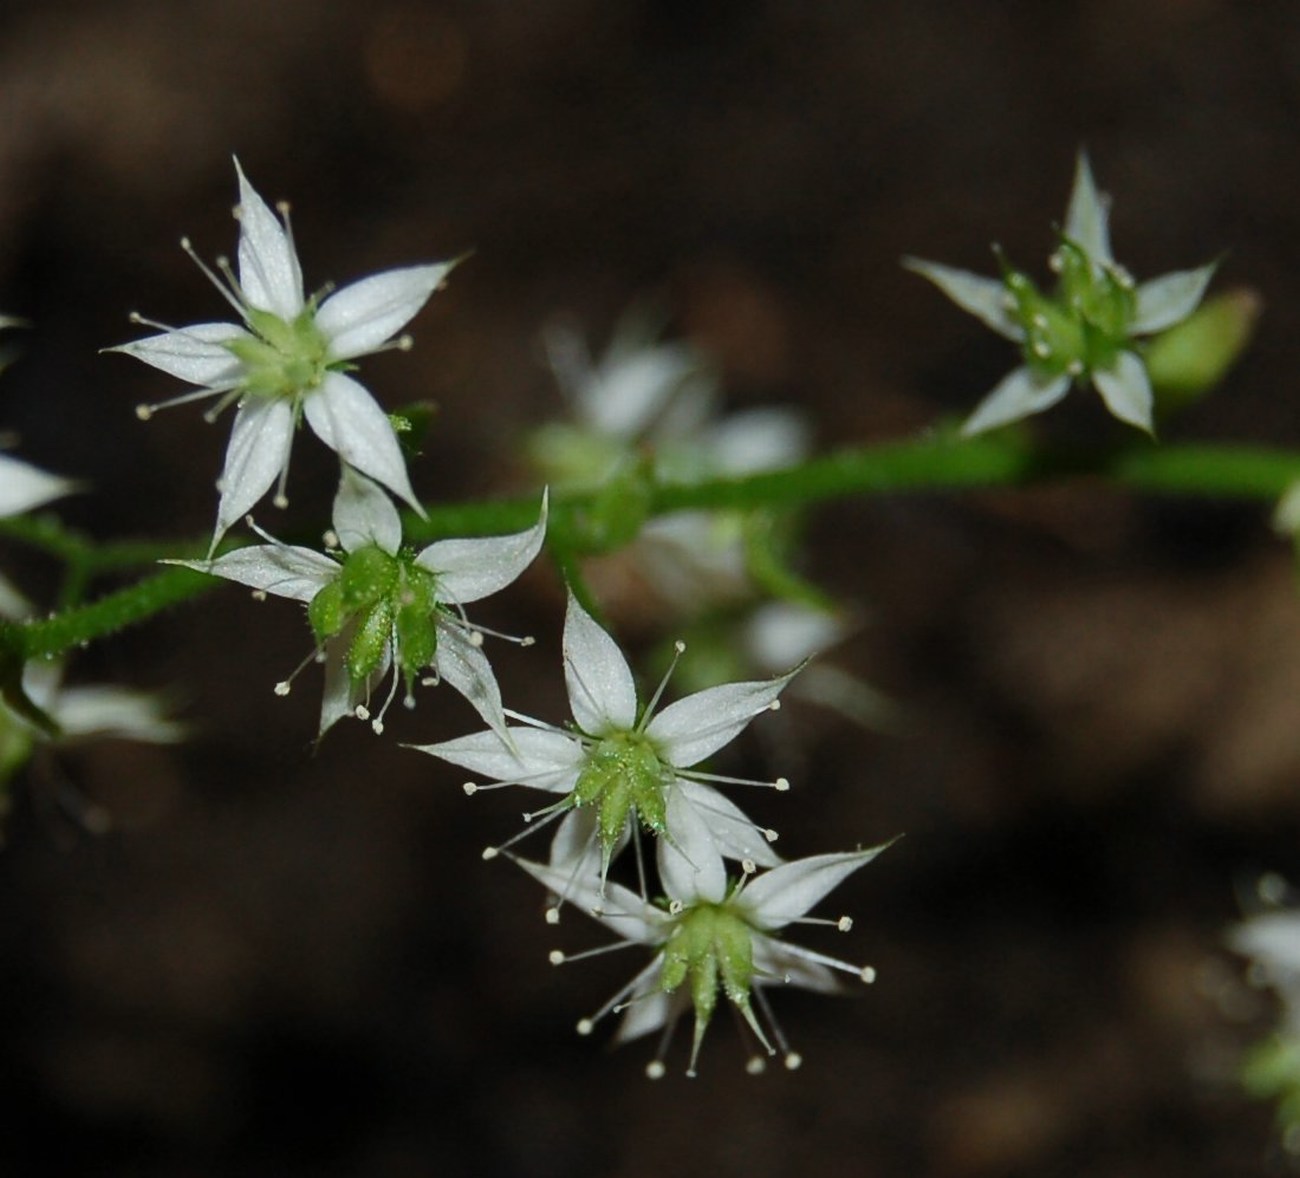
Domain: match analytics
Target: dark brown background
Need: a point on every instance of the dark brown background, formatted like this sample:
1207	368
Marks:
282	963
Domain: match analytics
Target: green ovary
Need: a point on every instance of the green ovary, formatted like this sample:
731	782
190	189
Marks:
387	600
283	358
710	946
622	776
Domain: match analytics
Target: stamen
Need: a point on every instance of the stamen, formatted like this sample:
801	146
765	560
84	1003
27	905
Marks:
282	688
655	1069
145	411
679	649
377	724
781	784
232	294
559	957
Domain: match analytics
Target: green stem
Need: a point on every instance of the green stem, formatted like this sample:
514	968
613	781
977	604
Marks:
941	462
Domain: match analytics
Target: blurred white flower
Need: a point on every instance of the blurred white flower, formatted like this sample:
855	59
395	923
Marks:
1086	332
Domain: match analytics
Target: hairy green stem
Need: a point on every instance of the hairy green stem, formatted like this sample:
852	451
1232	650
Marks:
941	462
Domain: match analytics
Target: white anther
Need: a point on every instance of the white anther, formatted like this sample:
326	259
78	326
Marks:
470	788
867	974
781	784
654	1070
552	915
585	1026
844	924
555	957
756	1065
490	853
282	688
143	412
792	1061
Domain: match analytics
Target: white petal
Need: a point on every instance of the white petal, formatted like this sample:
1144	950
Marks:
783	633
783	965
365	515
349	420
576	847
286	571
758	439
466	668
1019	394
116	712
256	454
690	864
1169	299
360	318
610	903
985	298
268	267
786	893
1273	938
468	570
538	758
194	354
602	692
342	694
689	730
627	395
736	835
1126	390
1086	218
649	1008
23	486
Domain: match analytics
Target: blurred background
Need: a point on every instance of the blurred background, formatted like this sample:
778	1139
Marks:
288	961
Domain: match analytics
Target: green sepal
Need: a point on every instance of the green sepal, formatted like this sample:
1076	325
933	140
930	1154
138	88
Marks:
1190	358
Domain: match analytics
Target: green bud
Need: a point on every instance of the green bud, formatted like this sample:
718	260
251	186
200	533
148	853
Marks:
1193	356
622	775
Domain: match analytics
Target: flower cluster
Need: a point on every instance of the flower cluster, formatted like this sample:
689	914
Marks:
1087	332
382	611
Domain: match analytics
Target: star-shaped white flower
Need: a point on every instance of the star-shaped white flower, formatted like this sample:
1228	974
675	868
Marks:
289	359
1086	332
620	763
710	933
381	608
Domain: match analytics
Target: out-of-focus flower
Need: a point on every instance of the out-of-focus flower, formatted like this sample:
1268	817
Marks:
1086	332
290	360
377	607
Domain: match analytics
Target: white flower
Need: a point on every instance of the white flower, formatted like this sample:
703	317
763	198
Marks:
24	487
382	608
620	763
1086	331
88	712
711	933
290	360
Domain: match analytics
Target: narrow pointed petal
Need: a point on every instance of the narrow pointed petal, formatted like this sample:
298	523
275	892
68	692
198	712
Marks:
365	515
610	903
602	693
629	394
690	864
1167	300
349	420
281	569
1273	938
985	298
536	757
466	668
258	450
1087	217
468	570
342	693
1021	393
268	266
23	486
689	730
576	847
362	317
736	835
784	967
1126	390
786	893
195	354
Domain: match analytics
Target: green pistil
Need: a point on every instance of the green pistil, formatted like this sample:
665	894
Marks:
284	358
388	599
622	776
711	946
